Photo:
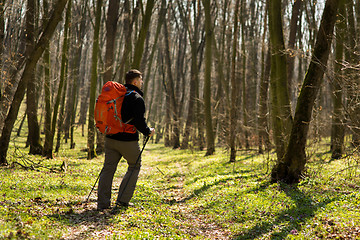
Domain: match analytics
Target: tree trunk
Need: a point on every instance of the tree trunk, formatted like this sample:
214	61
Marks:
47	88
280	102
207	80
48	151
352	74
171	90
129	21
337	127
64	76
139	46
31	97
290	168
194	75
234	88
161	18
246	86
111	28
29	67
2	37
264	138
291	43
94	76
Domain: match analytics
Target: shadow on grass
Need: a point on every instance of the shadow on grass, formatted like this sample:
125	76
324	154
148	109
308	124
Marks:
303	210
207	185
83	222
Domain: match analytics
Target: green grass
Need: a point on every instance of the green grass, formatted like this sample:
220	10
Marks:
180	195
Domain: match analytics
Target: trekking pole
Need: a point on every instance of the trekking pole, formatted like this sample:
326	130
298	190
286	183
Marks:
137	160
87	200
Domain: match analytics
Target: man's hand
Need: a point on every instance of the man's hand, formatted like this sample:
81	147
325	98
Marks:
152	132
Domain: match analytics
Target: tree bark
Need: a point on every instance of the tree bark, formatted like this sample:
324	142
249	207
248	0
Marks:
290	168
194	73
29	67
139	46
234	88
280	102
352	74
63	77
47	87
171	90
337	127
2	37
31	97
111	28
210	146
94	75
292	39
48	151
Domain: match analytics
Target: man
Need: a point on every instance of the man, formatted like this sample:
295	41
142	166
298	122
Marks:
125	144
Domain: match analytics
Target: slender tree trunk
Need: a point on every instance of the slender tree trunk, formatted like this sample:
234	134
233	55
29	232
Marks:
128	29
64	77
94	75
264	138
263	126
210	145
29	67
352	74
337	128
48	151
246	86
194	77
111	28
161	18
2	37
291	43
234	88
171	90
47	88
31	99
139	46
290	168
280	102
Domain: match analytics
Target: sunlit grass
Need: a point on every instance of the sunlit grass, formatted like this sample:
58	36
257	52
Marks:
180	195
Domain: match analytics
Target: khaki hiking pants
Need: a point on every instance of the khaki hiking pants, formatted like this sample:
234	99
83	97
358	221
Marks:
114	150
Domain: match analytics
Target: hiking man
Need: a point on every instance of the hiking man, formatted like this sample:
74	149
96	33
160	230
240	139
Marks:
125	144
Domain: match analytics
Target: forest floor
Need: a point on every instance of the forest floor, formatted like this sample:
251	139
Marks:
180	195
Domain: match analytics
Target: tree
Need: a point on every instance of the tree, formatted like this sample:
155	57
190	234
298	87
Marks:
139	47
193	31
234	89
94	76
48	150
280	102
291	167
32	82
2	36
170	88
111	28
337	128
29	67
210	146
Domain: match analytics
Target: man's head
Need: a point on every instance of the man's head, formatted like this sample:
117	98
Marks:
134	77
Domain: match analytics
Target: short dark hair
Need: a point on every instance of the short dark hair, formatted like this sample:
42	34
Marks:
132	74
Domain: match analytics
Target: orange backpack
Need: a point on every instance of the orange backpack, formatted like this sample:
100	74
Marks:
108	109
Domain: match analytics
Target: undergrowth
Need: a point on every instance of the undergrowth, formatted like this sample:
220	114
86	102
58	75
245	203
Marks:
180	195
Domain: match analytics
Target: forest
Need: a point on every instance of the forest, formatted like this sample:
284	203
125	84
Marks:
224	81
270	75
